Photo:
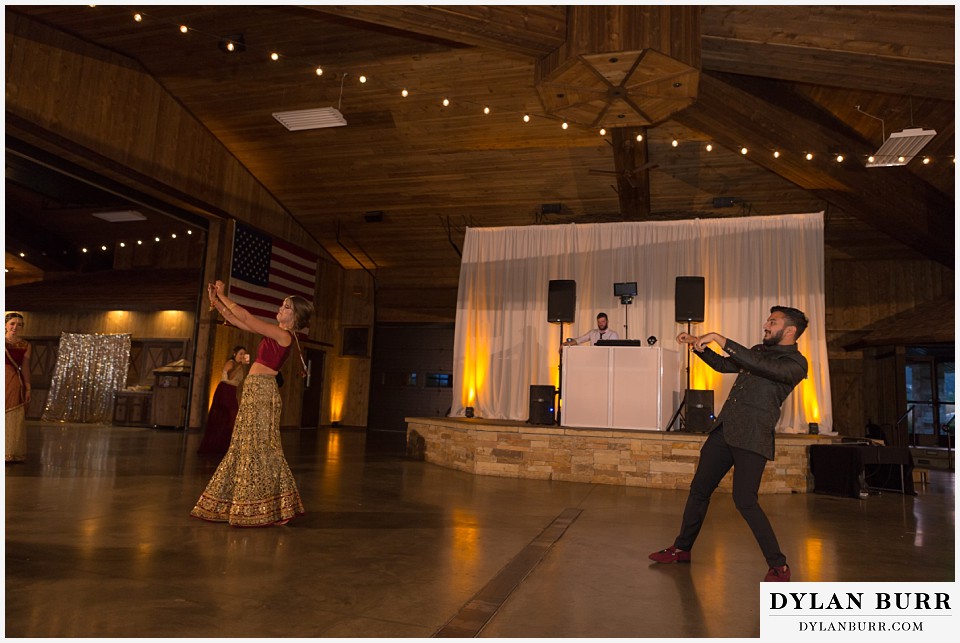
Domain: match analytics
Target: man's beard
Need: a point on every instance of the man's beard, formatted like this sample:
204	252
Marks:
773	340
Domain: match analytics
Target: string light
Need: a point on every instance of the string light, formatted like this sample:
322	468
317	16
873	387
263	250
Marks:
871	159
157	239
123	244
139	242
564	126
231	45
104	248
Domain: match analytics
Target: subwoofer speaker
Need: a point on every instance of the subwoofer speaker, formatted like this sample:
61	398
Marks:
542	404
561	300
699	416
688	299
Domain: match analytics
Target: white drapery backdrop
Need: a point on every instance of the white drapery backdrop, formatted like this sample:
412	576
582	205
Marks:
504	343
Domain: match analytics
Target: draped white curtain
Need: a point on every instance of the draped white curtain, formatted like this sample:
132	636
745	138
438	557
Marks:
504	343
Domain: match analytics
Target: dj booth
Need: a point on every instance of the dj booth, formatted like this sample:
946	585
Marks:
619	385
856	469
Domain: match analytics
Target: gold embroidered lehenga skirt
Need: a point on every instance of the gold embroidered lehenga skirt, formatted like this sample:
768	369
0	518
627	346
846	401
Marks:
253	486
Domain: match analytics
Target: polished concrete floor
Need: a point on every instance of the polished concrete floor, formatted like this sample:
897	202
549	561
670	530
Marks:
99	543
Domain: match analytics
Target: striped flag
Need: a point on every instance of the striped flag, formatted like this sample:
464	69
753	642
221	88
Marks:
266	271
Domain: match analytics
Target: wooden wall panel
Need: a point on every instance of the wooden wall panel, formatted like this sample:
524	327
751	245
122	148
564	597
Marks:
108	105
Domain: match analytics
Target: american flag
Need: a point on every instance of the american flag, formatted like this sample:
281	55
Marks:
266	271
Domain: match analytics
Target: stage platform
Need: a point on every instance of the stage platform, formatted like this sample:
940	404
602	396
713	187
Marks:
655	459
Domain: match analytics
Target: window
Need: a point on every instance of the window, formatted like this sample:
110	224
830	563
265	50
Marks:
931	391
439	380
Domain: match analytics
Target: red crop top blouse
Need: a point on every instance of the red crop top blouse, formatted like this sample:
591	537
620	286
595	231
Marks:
271	354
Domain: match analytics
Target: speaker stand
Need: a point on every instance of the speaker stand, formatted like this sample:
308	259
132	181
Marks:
683	400
626	300
560	374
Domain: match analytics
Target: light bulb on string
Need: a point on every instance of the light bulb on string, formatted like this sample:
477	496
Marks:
184	28
603	132
871	158
776	154
104	248
926	160
319	70
446	102
744	150
274	56
526	118
173	235
363	79
809	156
675	142
564	126
640	138
230	46
83	250
486	109
404	92
709	147
138	17
839	158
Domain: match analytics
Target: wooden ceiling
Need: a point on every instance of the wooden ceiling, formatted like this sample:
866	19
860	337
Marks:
820	79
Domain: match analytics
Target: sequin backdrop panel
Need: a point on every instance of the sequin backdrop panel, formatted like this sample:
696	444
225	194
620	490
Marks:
89	369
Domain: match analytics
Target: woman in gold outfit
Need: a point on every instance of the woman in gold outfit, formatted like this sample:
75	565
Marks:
17	368
253	485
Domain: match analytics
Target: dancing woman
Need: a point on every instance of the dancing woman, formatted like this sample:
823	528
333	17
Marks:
253	485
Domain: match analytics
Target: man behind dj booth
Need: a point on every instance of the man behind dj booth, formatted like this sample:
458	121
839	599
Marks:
595	335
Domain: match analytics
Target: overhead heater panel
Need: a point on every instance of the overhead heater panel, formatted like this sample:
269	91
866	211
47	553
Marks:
317	118
901	147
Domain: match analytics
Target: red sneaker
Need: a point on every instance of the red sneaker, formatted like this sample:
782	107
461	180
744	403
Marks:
670	555
778	575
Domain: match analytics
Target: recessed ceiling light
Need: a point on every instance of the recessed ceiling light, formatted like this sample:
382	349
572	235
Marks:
118	216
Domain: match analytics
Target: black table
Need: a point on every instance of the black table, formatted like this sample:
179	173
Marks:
856	469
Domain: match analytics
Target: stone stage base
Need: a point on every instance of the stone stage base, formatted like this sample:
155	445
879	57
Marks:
656	459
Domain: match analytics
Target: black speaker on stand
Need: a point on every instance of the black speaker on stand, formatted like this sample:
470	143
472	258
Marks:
561	301
542	404
688	307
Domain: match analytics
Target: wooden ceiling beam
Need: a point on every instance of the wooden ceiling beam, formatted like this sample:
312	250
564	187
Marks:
894	50
531	30
891	200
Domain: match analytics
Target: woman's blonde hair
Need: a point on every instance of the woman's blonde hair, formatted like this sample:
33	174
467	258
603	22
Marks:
302	312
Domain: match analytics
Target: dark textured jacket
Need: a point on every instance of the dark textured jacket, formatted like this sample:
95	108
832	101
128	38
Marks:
767	375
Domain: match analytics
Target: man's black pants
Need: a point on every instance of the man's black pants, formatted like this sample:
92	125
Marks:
716	459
